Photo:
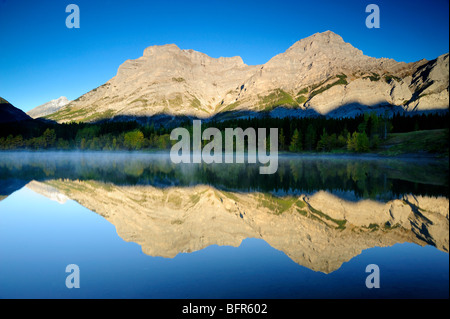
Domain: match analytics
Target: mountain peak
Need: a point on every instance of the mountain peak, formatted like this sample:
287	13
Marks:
159	49
323	41
61	100
327	35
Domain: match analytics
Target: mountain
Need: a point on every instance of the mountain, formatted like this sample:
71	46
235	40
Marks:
9	113
321	74
320	231
47	191
49	107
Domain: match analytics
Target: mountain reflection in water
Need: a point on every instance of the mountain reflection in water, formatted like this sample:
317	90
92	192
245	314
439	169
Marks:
320	211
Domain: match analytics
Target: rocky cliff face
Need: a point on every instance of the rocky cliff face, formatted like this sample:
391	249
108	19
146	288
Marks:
320	74
49	107
430	85
320	231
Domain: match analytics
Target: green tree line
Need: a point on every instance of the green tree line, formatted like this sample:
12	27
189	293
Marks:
360	134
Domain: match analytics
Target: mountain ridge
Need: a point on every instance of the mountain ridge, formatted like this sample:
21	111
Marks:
320	73
9	113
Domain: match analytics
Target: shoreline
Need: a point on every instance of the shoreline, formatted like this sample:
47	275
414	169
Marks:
283	154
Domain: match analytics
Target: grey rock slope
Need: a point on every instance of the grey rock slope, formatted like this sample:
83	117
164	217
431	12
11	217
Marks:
49	107
321	74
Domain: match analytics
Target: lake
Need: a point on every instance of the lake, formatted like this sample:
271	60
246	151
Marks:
138	226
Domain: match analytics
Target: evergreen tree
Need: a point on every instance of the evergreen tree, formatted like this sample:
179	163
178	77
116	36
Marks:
310	137
296	142
281	140
323	144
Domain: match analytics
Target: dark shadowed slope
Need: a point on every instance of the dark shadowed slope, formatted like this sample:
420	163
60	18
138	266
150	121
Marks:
9	113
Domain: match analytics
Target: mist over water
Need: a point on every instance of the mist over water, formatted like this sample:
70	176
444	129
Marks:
353	177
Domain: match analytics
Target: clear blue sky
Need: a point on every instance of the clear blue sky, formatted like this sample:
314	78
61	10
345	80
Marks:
41	59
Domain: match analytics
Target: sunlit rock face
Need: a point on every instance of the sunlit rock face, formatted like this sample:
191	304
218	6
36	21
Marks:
319	74
319	231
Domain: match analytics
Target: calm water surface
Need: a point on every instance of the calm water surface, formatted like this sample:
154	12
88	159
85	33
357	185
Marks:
139	226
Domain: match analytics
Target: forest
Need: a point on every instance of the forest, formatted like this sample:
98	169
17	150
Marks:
360	134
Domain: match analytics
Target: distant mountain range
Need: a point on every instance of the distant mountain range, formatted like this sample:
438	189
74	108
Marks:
49	107
319	75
